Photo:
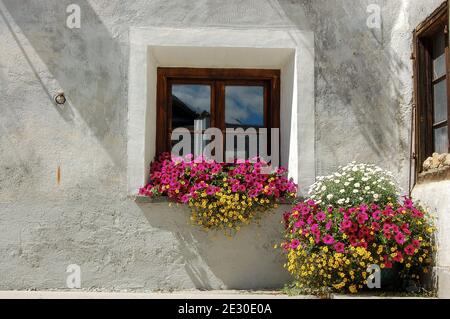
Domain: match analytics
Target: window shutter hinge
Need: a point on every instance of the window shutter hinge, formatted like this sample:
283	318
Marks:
446	29
412	57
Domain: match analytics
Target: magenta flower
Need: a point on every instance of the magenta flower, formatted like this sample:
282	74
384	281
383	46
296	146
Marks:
346	224
376	215
321	216
210	191
408	203
339	247
315	229
409	250
362	217
399	238
294	243
311	203
405	229
328	240
185	199
416	243
298	224
375	226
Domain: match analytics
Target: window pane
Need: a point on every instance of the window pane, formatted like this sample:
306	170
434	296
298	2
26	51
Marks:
441	140
244	106
438	55
190	102
440	101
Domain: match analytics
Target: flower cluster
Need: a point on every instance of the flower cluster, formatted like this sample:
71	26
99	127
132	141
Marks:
221	195
353	185
333	247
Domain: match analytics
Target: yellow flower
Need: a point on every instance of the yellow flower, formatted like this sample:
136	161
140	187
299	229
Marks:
353	289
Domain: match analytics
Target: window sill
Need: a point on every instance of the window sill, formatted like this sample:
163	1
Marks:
147	200
157	200
434	175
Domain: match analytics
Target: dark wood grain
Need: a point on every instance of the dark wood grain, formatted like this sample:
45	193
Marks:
423	83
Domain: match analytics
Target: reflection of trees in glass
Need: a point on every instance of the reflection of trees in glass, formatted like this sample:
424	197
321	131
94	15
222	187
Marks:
189	103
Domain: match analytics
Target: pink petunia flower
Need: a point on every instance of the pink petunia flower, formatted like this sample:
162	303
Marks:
346	224
399	238
409	250
298	224
185	199
405	229
362	217
339	247
315	229
376	215
320	216
375	226
294	243
328	240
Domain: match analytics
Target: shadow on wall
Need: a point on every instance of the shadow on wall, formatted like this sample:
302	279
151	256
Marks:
246	261
86	62
359	76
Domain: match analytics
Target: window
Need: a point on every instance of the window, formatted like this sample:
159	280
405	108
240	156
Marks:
431	72
220	98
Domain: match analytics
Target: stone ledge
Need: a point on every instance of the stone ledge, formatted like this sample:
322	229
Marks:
162	199
147	200
434	175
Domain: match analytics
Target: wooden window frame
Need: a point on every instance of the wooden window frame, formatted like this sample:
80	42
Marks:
423	83
218	79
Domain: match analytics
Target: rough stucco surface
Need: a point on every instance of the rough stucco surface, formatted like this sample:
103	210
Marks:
363	102
435	197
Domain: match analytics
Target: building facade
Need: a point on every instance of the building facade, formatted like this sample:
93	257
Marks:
69	172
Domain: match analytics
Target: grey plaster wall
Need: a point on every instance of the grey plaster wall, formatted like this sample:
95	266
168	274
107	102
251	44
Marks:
435	197
363	99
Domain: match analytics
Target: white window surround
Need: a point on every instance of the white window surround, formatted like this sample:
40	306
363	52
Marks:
290	50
